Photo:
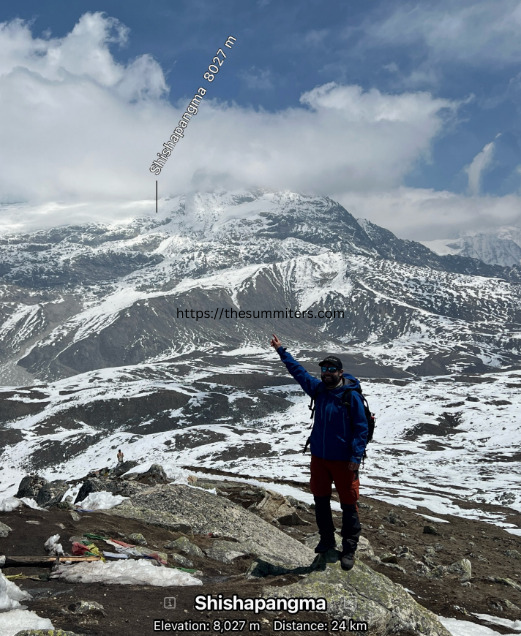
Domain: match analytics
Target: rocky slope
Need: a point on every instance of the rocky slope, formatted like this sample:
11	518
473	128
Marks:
252	542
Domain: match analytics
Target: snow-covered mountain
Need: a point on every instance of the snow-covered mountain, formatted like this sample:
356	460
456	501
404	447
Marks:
76	299
499	247
95	334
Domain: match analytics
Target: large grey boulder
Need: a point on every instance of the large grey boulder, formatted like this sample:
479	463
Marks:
183	544
274	507
172	504
30	486
154	475
124	467
364	595
225	551
51	492
92	484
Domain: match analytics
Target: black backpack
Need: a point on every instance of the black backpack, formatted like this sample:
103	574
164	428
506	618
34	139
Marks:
346	401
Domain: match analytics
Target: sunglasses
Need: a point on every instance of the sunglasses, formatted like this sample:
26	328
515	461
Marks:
330	369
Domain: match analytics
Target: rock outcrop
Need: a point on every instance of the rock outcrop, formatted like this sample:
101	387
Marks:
364	596
174	504
241	528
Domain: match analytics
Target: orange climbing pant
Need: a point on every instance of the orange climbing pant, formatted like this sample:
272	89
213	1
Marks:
326	471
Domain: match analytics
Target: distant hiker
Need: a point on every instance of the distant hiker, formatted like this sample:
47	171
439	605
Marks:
120	456
338	441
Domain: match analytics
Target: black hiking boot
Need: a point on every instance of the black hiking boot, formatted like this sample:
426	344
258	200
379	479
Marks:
325	525
351	531
347	560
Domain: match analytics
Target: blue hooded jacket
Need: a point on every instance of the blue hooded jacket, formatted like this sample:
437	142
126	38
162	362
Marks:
335	435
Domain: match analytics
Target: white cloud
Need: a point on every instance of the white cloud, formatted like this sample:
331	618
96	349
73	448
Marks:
80	131
79	126
83	52
471	31
315	37
258	79
425	214
76	124
478	166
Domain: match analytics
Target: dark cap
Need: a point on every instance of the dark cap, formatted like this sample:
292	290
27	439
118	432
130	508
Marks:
331	361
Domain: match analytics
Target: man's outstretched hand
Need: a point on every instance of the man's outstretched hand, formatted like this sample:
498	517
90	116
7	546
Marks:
275	342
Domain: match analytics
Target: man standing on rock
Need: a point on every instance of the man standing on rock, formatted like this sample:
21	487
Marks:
338	441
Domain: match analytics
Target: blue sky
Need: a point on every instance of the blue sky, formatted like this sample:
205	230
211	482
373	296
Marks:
407	113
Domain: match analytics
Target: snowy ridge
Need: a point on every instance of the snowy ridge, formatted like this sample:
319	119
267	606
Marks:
500	247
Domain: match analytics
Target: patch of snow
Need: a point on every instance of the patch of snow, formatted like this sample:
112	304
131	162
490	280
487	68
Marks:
466	628
101	500
31	503
13	617
52	546
10	594
504	622
139	572
17	620
9	504
435	519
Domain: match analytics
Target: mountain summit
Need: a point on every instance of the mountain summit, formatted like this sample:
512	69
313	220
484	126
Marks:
79	298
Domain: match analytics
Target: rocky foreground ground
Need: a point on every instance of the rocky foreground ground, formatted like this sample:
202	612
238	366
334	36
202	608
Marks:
248	541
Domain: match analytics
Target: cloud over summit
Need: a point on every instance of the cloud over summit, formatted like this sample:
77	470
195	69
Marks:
82	124
91	126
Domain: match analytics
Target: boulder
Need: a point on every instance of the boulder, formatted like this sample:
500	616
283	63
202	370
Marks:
137	538
184	545
172	504
461	570
365	550
429	530
395	519
4	530
86	608
92	484
276	507
181	560
364	595
504	581
225	551
124	467
154	475
30	486
514	554
51	493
